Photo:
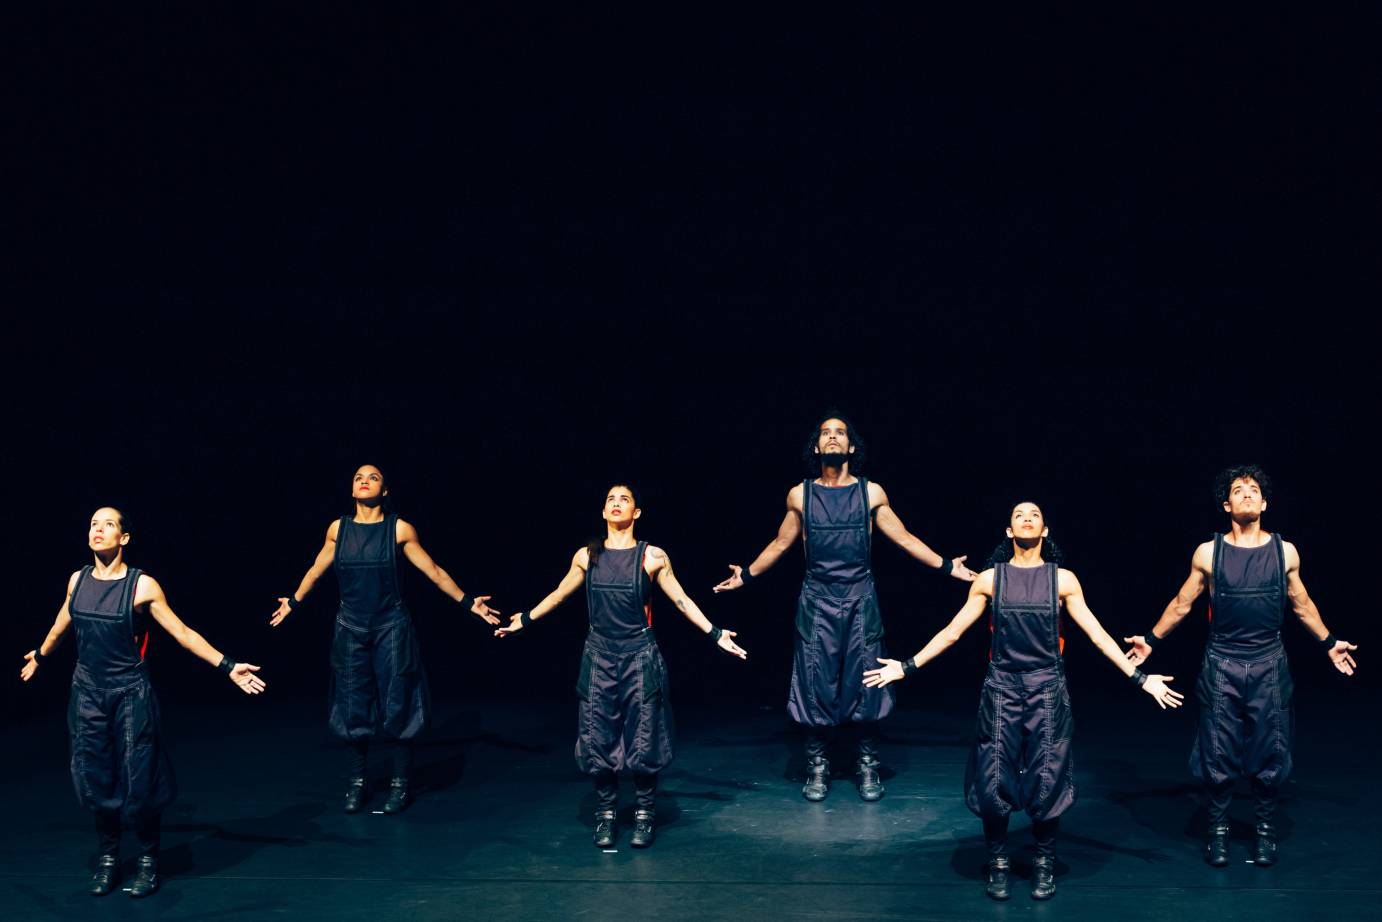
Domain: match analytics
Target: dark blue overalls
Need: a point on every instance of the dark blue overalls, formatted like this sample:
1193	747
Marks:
1021	758
839	626
625	713
378	687
1244	691
119	766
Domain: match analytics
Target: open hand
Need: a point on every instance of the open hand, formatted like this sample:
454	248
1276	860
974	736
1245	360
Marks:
487	614
726	643
244	676
1140	651
1339	656
513	627
960	571
734	581
877	678
30	666
1156	687
283	611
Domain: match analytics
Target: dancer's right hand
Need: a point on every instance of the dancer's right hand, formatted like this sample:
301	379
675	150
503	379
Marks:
30	667
1140	651
891	672
734	581
513	627
283	611
1156	687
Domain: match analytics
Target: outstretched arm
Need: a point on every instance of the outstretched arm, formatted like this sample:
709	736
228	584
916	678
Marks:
1155	685
1340	651
890	525
325	557
1178	607
661	566
412	549
150	593
788	533
50	640
892	670
572	581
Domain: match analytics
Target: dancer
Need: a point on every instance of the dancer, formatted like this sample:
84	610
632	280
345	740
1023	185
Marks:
839	626
1021	758
120	769
625	713
1246	715
378	685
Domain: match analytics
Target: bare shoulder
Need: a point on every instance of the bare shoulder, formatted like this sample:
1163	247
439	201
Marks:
877	495
333	529
146	590
1066	581
1292	555
581	559
795	501
1203	558
404	531
72	581
657	560
983	585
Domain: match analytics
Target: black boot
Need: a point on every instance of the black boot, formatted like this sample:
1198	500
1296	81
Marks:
642	829
997	888
817	779
1043	877
870	786
398	796
1264	850
1216	846
604	828
145	879
355	795
107	875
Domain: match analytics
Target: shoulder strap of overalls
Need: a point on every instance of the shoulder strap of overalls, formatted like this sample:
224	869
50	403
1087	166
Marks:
1280	562
806	512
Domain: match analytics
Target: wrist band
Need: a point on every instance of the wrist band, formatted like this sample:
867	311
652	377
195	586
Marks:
38	653
461	600
745	575
715	633
909	666
1151	640
293	603
1329	642
947	566
1139	678
525	618
226	665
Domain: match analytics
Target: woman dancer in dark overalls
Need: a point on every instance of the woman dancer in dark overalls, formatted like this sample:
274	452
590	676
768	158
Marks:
378	685
1021	758
119	766
624	714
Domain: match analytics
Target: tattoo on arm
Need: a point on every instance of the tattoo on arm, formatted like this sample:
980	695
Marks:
681	604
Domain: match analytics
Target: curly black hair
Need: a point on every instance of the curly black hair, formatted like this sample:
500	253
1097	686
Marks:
1050	552
1223	483
811	461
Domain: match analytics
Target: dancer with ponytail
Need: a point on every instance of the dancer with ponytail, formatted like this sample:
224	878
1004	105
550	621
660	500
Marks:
120	769
1021	758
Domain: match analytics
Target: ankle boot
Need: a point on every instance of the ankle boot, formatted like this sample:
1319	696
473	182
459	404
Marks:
1264	849
1216	846
398	796
642	829
355	795
870	786
997	888
817	779
145	879
604	828
107	875
1043	877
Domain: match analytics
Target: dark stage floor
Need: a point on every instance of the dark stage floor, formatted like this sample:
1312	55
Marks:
501	827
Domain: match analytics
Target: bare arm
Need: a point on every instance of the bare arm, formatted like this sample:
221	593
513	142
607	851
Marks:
325	557
413	550
891	526
150	593
1304	607
788	533
979	593
573	580
660	568
1072	594
1176	610
53	638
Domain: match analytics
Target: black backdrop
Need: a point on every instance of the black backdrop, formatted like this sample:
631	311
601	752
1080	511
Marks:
512	258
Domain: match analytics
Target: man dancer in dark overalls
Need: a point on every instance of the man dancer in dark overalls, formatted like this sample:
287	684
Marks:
839	627
1244	691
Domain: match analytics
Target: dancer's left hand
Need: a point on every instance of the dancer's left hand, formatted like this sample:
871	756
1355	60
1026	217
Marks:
244	676
891	672
726	643
487	614
960	571
1339	656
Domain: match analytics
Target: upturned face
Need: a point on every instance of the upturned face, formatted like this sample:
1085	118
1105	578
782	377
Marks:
106	532
833	439
368	484
1245	502
620	508
1027	522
